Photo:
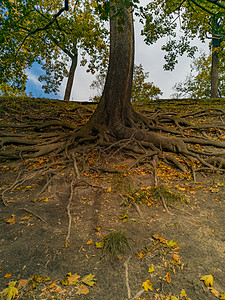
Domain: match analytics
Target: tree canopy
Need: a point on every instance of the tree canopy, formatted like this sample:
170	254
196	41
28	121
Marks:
80	29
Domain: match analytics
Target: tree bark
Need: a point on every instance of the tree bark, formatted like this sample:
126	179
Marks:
215	68
69	84
115	106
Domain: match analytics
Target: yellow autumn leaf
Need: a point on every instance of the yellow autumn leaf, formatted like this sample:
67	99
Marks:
73	279
140	254
147	285
214	292
183	293
11	292
208	280
7	275
171	243
82	290
109	190
222	296
97	228
151	269
123	216
52	285
11	220
89	242
99	245
167	277
89	279
173	298
25	217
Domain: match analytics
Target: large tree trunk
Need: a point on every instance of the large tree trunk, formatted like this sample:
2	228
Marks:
69	84
215	68
115	106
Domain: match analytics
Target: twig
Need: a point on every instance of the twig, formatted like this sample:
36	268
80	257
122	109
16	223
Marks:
165	206
126	275
33	213
75	166
154	164
42	190
138	209
138	294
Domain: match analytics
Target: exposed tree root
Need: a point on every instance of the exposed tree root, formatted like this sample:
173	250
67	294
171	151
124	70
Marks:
161	136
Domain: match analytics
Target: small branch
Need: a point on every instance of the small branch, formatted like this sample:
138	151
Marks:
127	278
75	166
33	213
165	206
138	294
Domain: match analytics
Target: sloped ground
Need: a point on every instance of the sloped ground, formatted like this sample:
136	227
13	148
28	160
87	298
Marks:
182	238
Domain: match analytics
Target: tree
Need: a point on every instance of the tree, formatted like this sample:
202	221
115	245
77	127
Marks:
197	83
196	19
141	91
79	31
115	122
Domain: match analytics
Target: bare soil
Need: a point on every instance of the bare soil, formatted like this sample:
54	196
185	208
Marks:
36	238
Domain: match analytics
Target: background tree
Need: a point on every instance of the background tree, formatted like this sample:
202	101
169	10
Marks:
197	84
142	91
201	19
80	30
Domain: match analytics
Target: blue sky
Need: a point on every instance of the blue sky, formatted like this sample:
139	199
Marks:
151	57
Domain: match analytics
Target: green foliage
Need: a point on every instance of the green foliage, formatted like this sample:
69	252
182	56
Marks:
142	91
115	243
23	42
133	196
201	19
170	198
197	84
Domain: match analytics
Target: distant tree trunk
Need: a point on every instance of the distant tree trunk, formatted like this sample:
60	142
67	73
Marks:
215	68
69	84
115	108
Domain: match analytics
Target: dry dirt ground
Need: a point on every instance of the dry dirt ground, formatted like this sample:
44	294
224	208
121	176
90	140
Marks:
173	242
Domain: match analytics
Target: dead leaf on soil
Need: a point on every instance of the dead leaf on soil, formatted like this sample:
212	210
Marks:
140	254
167	277
151	269
214	292
208	280
82	290
99	245
11	292
73	278
183	293
7	275
89	242
97	228
22	283
222	296
147	285
11	220
89	279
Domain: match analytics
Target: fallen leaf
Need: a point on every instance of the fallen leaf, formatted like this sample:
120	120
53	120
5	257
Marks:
11	292
25	217
73	279
176	259
171	243
183	293
89	279
109	190
140	254
167	277
173	298
52	285
222	296
208	280
97	228
214	292
82	290
11	220
151	269
99	245
7	275
147	285
89	242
